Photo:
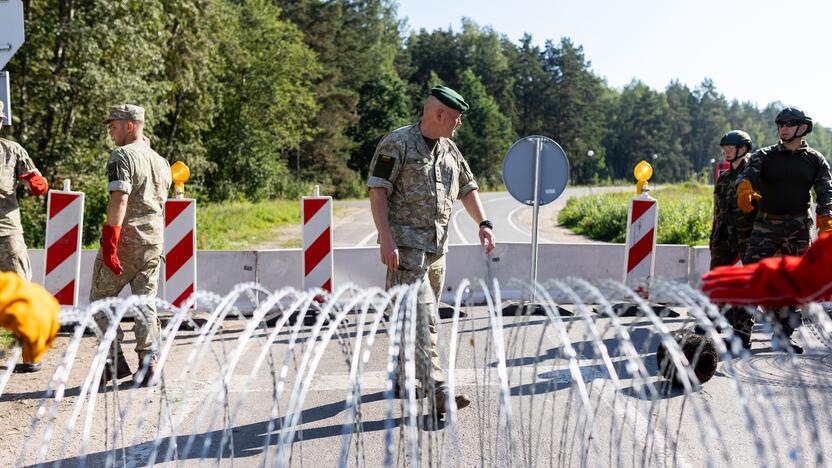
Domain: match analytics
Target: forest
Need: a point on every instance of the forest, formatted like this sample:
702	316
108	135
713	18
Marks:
263	99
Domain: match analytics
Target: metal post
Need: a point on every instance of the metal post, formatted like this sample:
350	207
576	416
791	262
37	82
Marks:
67	184
537	148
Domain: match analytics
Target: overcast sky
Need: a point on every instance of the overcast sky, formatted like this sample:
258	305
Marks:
758	51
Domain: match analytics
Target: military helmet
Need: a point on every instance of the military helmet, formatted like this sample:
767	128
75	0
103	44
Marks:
736	138
794	114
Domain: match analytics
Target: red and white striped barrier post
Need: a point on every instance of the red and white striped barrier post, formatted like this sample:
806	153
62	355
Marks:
316	212
642	219
180	242
64	225
719	167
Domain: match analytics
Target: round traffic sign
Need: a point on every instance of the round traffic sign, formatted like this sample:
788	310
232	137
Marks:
518	170
11	29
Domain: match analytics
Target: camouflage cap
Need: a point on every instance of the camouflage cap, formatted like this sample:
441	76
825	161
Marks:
2	106
125	112
450	98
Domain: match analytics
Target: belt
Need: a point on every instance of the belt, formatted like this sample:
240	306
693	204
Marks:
781	217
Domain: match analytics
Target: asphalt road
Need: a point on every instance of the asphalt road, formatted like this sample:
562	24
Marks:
512	220
541	409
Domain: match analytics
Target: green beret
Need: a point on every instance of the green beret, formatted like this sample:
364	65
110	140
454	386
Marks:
450	98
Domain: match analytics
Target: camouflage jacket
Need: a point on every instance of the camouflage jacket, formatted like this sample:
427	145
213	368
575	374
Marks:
144	176
14	162
421	186
785	178
732	227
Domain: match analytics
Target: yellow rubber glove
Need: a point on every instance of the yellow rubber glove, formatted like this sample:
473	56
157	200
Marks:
30	312
745	195
824	223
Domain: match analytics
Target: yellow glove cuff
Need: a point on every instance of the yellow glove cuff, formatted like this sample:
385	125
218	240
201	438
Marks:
824	223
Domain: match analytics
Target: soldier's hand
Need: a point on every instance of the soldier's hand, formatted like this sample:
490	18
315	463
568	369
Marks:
37	183
487	239
824	223
746	196
30	312
390	255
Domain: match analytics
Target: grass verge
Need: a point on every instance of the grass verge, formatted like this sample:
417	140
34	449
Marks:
685	214
239	225
6	340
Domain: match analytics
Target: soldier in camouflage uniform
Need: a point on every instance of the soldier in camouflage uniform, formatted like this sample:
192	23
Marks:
416	175
732	226
16	165
131	240
780	178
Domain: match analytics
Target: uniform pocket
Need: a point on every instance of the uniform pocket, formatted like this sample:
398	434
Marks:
411	259
6	180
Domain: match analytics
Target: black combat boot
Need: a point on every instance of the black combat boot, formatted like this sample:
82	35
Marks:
440	397
119	371
27	367
147	363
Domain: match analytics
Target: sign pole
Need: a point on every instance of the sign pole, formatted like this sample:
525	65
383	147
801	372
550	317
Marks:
535	215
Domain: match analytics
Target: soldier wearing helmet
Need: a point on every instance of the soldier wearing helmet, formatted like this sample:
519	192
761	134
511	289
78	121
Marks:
732	226
779	179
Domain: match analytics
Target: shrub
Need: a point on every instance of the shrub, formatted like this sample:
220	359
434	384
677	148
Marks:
685	214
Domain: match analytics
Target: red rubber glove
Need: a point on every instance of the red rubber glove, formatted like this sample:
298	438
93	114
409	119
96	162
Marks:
109	248
775	282
37	183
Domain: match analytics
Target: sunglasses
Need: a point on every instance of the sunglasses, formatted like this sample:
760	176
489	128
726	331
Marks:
788	123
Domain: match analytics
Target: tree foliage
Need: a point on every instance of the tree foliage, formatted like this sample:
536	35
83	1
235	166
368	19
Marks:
263	98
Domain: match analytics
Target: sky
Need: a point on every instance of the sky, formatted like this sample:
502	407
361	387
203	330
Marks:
758	51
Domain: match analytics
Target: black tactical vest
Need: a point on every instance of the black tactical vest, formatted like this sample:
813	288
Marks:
786	180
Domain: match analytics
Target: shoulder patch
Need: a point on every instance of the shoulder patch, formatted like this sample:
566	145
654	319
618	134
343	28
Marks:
384	166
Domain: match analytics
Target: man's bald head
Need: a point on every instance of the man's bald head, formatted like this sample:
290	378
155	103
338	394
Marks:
439	120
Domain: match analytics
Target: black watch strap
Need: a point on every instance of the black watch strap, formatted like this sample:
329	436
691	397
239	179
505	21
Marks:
487	224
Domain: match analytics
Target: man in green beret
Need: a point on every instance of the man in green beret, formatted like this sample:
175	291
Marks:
416	175
131	240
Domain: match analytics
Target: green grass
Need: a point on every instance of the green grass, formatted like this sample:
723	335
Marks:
685	214
6	339
240	225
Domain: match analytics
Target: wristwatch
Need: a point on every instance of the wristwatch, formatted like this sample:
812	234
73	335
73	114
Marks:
487	224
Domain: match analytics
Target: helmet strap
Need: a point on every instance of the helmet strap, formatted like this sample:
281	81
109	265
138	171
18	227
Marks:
794	137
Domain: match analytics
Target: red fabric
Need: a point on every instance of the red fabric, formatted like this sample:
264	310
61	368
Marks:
37	183
775	282
109	248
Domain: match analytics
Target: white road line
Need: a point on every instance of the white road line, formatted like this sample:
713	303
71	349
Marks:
456	226
369	237
511	220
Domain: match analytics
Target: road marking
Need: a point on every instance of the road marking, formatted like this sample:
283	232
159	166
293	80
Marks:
364	241
456	226
511	220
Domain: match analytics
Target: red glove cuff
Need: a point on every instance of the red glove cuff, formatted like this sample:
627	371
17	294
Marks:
109	247
37	183
110	235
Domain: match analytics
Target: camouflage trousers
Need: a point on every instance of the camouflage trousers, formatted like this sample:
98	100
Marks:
141	271
14	256
776	236
429	268
738	317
